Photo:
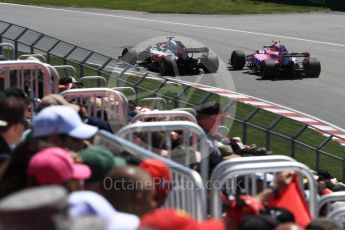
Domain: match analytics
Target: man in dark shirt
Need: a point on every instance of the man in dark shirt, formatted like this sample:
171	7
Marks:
210	117
12	124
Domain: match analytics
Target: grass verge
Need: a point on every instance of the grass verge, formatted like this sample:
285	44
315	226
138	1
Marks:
186	6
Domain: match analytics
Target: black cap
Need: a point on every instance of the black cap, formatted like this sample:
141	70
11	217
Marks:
324	175
65	80
209	108
261	222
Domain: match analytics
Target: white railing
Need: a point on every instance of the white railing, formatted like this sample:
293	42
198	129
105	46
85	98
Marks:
187	193
192	137
108	104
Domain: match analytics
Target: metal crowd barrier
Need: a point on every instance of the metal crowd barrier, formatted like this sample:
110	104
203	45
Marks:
9	46
154	103
338	215
248	180
68	70
123	89
220	178
38	56
108	104
327	199
93	81
189	110
37	79
187	193
193	136
165	115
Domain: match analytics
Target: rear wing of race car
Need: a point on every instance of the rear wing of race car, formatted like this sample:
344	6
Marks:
305	54
296	57
195	50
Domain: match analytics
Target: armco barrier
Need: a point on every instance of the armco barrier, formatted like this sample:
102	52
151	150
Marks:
320	152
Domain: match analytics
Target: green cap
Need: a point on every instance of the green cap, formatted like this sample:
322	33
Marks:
101	161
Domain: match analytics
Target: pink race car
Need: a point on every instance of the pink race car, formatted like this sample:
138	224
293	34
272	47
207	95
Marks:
275	59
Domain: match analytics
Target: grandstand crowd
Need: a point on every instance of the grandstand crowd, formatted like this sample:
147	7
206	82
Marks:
54	176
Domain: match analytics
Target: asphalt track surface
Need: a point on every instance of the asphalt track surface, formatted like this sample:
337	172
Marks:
322	34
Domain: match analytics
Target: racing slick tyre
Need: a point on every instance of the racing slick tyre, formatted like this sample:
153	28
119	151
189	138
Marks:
312	68
210	63
267	69
237	59
166	66
129	56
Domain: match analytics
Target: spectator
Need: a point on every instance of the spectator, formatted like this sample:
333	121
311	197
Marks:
54	166
153	140
171	219
243	206
131	109
287	194
209	117
87	203
21	95
101	161
66	83
61	126
227	152
42	208
14	177
327	183
160	174
55	99
98	122
186	156
158	143
12	124
35	209
182	154
130	190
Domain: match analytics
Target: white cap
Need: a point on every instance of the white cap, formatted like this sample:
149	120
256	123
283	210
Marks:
60	119
86	203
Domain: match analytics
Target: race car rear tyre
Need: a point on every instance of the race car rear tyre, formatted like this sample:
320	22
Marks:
210	63
312	68
238	59
129	56
166	66
267	69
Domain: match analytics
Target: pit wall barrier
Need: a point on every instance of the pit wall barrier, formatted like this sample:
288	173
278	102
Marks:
282	130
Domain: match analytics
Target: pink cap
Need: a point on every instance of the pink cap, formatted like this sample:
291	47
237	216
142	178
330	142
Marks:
55	166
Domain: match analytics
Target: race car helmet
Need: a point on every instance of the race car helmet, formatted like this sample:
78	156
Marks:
277	47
